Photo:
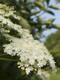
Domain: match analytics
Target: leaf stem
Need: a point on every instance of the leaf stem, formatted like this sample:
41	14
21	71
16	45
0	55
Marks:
6	59
3	54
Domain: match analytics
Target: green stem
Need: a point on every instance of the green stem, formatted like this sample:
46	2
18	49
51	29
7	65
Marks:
3	54
54	50
6	59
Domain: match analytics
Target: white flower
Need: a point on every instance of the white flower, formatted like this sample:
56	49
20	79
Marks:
4	21
31	61
28	70
39	72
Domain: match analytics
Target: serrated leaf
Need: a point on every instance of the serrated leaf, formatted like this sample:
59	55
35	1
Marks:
54	7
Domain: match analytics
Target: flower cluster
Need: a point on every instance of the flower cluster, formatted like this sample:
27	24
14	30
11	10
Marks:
7	11
32	54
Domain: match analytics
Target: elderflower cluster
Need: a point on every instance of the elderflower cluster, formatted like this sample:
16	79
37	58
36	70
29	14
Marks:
32	54
7	11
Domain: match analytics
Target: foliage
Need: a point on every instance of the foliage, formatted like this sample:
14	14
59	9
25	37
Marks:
53	44
31	12
58	0
53	41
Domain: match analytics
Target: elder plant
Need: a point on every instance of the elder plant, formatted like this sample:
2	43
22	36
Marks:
32	54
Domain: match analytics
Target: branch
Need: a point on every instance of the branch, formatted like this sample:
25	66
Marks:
6	59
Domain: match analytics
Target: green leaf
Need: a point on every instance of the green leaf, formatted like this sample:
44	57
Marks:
49	21
29	2
57	25
47	1
54	7
46	22
24	11
35	12
39	4
50	12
